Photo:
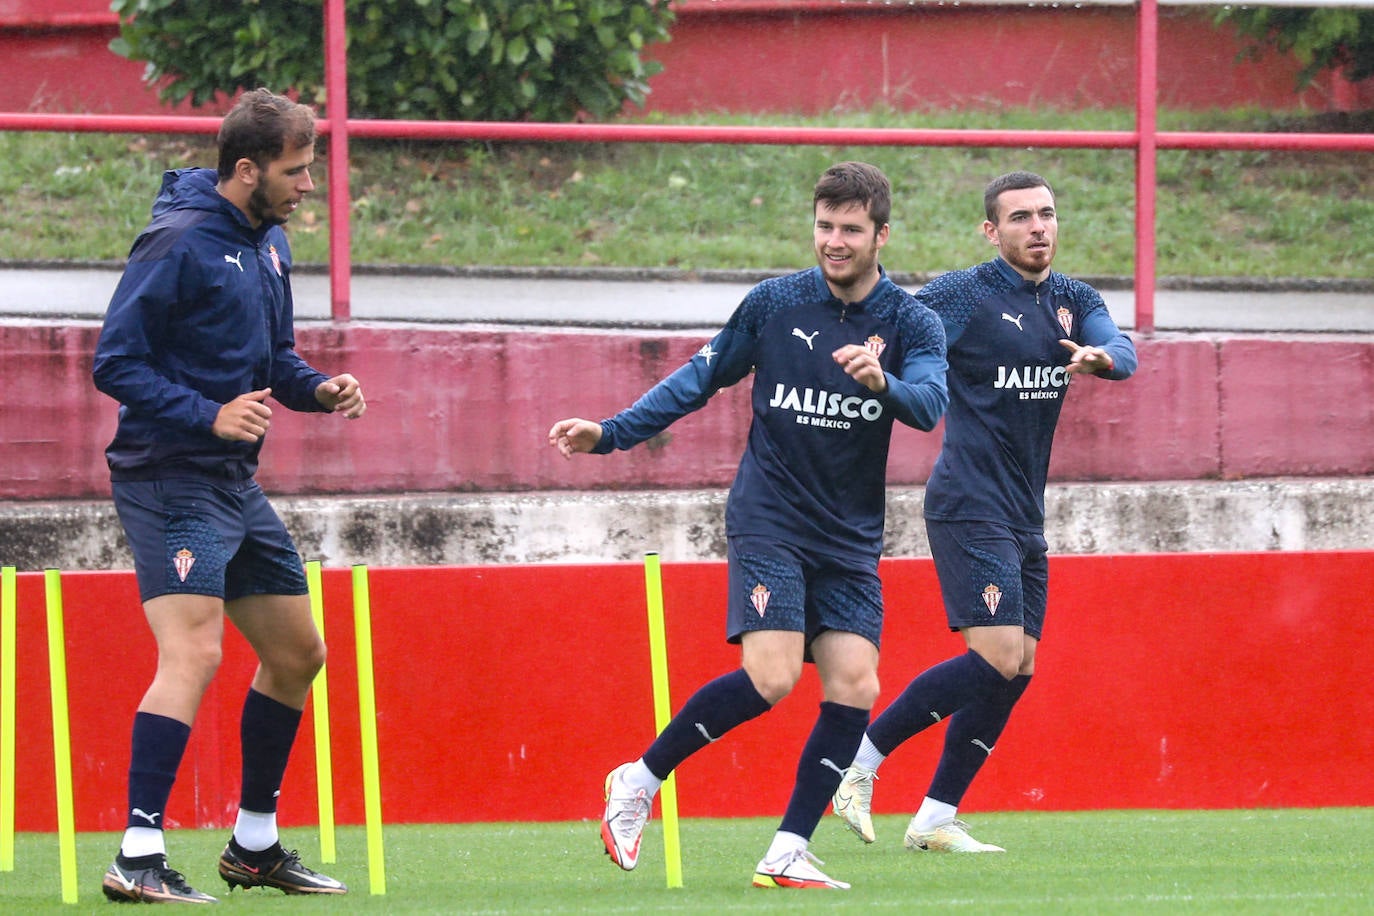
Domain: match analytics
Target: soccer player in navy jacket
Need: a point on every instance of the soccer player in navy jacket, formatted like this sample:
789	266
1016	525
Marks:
839	353
1017	334
197	336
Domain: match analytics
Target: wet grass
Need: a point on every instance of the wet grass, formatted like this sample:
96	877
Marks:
83	197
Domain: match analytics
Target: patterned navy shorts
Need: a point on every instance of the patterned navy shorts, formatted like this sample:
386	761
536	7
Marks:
199	537
776	586
991	575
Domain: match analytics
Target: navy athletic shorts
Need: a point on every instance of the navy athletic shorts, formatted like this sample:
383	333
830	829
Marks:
776	586
193	536
991	575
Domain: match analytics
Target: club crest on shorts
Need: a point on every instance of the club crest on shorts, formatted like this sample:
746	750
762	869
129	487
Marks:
992	596
759	598
183	561
1065	319
876	345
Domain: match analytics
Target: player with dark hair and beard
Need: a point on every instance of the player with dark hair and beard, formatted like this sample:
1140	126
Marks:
1017	333
197	336
839	354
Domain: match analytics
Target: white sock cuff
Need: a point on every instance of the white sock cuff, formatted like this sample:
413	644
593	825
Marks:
143	841
638	776
868	755
932	814
255	830
785	843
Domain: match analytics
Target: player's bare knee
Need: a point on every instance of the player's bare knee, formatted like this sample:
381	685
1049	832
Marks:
304	665
199	658
865	693
1001	648
859	690
315	658
190	667
773	682
293	668
859	698
1005	659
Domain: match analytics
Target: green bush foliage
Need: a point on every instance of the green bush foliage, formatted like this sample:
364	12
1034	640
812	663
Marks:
1321	39
471	60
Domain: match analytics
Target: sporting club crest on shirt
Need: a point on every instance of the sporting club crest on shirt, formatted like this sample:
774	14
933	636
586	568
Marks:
276	259
876	345
992	596
1065	319
759	598
183	561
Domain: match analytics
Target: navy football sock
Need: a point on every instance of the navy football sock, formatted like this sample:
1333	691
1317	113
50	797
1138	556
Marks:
936	693
713	710
267	731
972	734
158	745
834	740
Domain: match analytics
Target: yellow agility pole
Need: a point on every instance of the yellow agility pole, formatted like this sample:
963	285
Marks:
61	735
367	711
8	613
319	699
658	664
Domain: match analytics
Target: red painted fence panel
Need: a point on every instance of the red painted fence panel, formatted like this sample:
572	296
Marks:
1165	681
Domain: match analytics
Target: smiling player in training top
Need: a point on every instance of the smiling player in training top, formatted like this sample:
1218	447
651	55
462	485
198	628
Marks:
1018	333
198	334
839	353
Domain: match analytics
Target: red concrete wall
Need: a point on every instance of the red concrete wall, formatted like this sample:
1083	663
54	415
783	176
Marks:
802	57
820	56
454	409
1287	423
1159	686
56	57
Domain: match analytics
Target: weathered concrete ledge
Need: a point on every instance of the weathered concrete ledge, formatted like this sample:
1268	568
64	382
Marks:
597	527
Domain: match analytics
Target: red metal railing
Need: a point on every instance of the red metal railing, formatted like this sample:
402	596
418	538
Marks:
1146	140
340	231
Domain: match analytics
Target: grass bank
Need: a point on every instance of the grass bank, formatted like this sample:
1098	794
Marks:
82	197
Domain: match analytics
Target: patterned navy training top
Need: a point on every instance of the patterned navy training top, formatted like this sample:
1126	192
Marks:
1007	383
813	473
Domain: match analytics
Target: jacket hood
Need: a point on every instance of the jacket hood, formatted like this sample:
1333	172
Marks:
192	189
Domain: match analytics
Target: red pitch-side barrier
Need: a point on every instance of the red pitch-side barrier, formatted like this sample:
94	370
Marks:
506	693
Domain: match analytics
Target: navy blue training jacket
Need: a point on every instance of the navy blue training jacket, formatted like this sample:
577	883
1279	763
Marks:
201	315
814	471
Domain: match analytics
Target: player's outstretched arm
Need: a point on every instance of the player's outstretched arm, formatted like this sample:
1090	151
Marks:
574	435
342	394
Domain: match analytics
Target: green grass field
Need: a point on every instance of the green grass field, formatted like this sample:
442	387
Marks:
691	206
1252	861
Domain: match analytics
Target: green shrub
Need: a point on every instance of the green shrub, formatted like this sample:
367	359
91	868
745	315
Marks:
1321	39
471	60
